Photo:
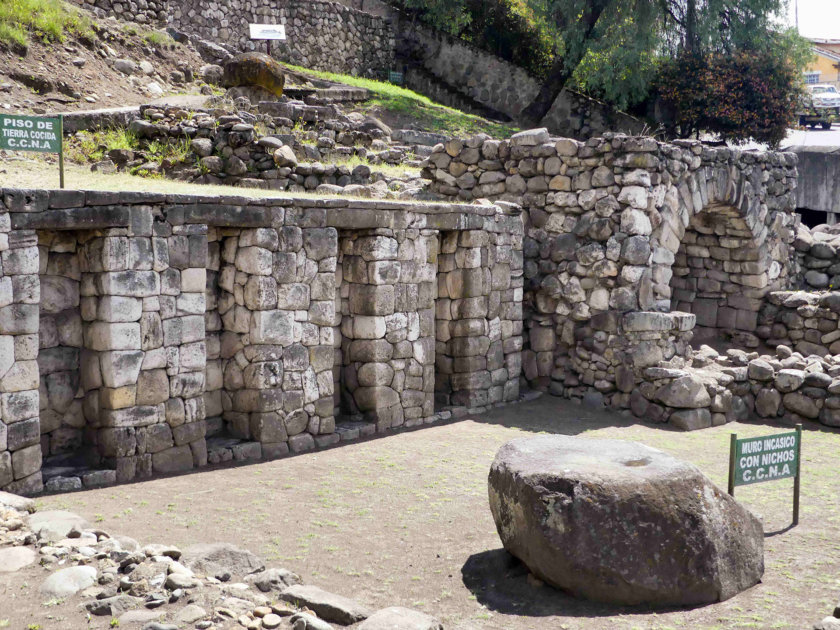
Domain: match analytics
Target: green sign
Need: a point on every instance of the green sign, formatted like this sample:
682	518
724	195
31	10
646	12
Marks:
30	133
34	133
767	458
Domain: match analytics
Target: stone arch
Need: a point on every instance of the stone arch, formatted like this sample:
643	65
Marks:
716	253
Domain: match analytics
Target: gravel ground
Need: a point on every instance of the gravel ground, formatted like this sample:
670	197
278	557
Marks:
403	520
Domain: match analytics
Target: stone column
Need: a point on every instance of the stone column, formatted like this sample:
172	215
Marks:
277	305
143	364
469	333
20	432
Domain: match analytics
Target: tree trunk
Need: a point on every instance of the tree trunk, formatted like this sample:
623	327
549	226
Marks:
562	69
554	83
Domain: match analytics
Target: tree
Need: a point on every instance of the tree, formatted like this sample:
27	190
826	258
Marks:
599	40
738	96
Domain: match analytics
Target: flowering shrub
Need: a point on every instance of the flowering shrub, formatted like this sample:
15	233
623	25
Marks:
738	96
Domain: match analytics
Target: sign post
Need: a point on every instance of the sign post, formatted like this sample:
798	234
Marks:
767	458
34	133
268	32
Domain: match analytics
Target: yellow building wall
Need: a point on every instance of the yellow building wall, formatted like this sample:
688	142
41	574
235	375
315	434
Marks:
827	68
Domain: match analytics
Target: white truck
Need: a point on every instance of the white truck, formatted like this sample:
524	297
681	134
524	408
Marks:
820	106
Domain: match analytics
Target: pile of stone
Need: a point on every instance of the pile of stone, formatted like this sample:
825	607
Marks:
718	388
226	148
208	586
806	321
818	249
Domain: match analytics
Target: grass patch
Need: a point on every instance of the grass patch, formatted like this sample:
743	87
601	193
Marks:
389	170
51	20
428	114
90	146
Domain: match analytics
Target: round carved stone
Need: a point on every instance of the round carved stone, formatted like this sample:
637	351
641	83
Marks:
622	523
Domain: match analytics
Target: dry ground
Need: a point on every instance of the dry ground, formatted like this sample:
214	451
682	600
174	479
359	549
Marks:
403	519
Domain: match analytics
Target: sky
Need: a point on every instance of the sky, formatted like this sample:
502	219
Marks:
817	18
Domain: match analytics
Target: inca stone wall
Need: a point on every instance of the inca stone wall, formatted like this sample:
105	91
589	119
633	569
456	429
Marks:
621	231
320	35
144	333
153	12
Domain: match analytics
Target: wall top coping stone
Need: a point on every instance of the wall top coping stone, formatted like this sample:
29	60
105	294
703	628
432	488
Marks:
80	209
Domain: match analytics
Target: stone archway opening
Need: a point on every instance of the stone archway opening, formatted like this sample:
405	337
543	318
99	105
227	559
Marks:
721	272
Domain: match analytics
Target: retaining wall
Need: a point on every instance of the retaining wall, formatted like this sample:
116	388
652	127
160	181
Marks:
320	35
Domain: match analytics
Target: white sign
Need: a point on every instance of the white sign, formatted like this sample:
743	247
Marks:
267	31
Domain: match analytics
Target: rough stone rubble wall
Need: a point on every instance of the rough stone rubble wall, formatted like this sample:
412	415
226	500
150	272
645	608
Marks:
320	35
167	320
620	230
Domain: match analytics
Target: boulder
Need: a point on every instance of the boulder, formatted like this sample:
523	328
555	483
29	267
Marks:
16	558
219	558
326	605
67	582
54	525
622	523
273	579
254	69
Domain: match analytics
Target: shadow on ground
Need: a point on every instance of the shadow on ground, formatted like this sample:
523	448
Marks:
500	583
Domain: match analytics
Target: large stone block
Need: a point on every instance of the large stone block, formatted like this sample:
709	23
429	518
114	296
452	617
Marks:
175	459
606	495
272	327
119	369
103	336
371	300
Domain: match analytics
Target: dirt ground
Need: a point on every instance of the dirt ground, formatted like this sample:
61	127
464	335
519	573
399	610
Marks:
404	520
47	80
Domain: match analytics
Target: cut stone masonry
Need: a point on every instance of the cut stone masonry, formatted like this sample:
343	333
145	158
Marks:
144	333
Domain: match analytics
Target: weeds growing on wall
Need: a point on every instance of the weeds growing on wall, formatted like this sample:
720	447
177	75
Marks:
92	146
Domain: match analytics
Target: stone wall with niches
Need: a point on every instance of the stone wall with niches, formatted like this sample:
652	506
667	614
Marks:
144	333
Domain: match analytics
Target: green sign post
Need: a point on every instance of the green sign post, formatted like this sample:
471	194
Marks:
767	458
34	133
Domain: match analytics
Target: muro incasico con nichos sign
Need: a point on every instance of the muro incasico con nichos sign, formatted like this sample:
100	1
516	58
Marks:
766	458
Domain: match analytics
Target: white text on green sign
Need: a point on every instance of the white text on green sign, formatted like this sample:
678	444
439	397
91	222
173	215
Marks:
766	458
30	133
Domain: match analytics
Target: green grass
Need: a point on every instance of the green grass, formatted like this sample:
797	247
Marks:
428	114
51	20
92	146
390	170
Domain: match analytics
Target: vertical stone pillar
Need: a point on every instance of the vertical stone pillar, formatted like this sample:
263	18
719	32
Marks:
277	305
388	328
472	366
20	432
144	352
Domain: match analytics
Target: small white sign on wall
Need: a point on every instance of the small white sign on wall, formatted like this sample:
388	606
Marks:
267	31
